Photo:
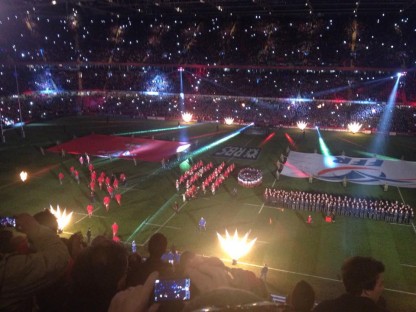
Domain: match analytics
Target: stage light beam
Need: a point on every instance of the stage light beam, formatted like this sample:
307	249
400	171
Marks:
328	161
151	130
379	143
290	140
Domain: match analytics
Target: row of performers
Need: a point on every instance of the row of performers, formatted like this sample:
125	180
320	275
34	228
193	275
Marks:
192	175
384	210
212	181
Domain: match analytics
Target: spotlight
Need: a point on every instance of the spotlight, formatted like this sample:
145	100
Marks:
186	117
62	217
228	120
23	176
354	127
401	74
236	247
301	125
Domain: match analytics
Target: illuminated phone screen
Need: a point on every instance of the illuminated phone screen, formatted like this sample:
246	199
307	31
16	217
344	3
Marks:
172	290
7	221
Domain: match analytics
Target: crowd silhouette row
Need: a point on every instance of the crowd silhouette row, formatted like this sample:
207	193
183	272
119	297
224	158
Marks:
42	271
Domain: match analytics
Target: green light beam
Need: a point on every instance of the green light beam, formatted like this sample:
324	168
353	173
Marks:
153	130
150	218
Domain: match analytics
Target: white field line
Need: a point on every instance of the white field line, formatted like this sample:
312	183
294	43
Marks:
401	196
163	225
85	215
261	208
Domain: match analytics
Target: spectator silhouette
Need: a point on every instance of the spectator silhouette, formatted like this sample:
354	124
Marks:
363	281
156	247
99	272
24	274
46	218
302	298
53	297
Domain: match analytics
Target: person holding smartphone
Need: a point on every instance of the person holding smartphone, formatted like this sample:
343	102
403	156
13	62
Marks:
211	284
136	299
22	275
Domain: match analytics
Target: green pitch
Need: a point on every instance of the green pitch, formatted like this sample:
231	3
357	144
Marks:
292	249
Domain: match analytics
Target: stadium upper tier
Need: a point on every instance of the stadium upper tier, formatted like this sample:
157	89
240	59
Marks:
254	60
378	40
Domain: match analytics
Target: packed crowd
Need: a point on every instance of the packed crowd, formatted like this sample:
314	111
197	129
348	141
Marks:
365	85
333	205
183	39
324	68
43	272
263	112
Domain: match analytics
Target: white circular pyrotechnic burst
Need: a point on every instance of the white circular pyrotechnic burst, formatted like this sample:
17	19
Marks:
23	176
61	216
229	121
354	127
301	125
235	246
187	117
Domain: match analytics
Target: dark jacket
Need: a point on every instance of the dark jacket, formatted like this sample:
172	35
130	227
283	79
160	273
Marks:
349	303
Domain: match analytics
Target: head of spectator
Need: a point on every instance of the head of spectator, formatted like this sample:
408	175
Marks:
46	218
363	276
302	297
157	245
99	272
76	244
135	260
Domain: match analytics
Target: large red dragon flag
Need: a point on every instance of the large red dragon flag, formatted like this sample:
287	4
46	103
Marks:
121	147
371	171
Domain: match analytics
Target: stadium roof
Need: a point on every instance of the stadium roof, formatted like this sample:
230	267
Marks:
297	8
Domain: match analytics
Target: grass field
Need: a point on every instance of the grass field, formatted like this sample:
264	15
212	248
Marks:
292	249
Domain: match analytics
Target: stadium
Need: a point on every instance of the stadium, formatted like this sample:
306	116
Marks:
250	134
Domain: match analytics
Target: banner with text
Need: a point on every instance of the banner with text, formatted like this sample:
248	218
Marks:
371	171
248	153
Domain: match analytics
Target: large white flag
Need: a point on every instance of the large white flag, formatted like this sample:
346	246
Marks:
372	171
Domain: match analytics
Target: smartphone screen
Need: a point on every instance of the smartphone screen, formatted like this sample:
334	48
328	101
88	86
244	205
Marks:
8	221
172	290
